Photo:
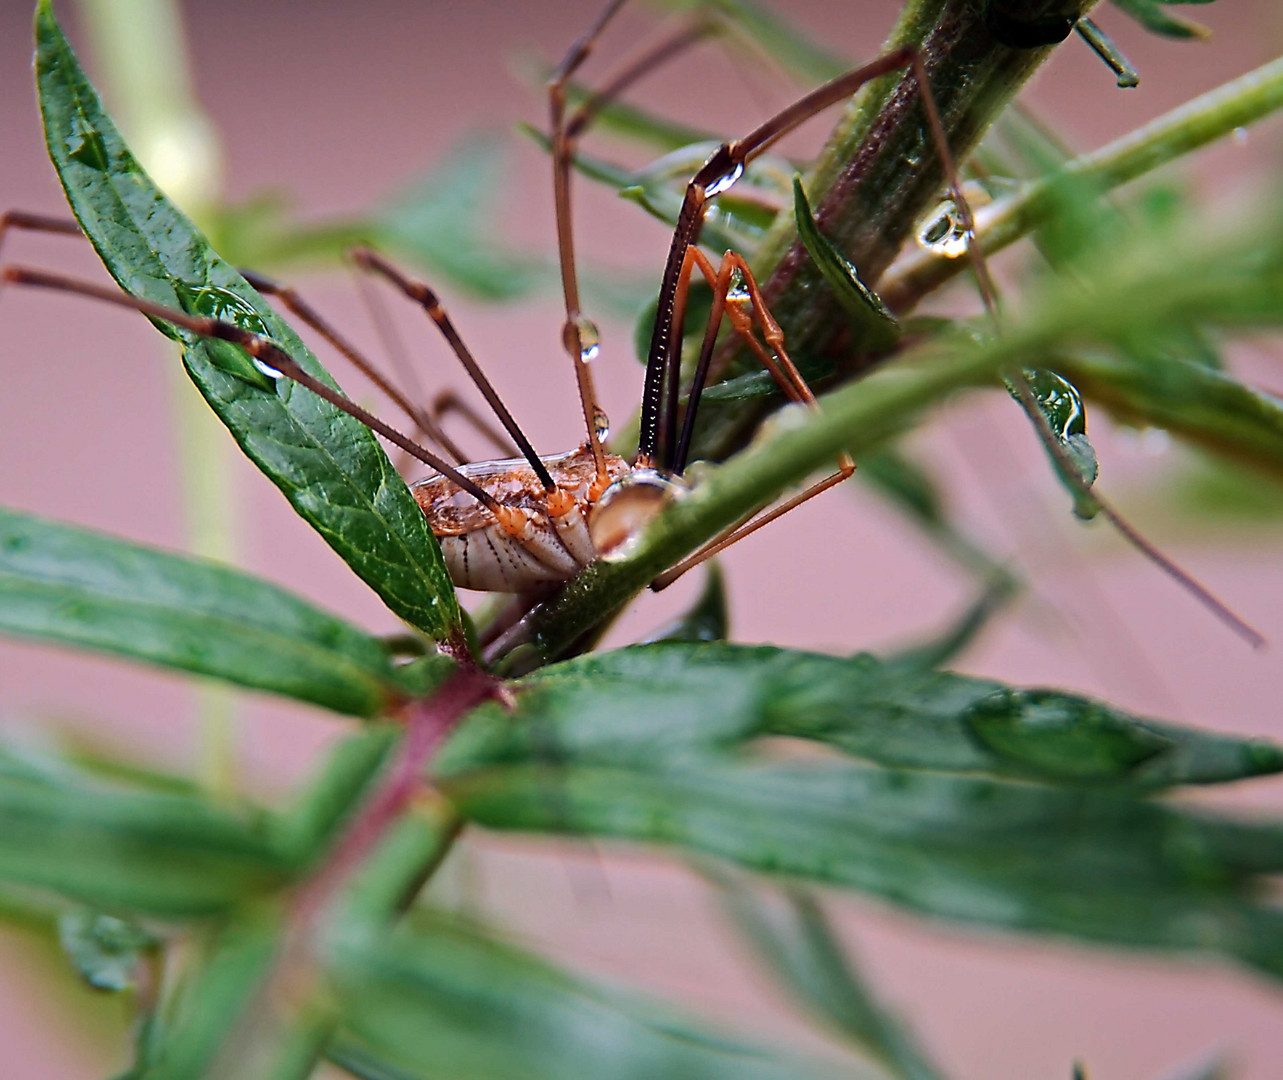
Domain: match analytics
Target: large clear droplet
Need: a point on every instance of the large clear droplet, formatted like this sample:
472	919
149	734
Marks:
738	293
601	425
724	181
942	231
589	340
267	369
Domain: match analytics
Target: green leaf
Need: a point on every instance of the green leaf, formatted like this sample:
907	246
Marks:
1094	865
800	950
76	587
1206	407
328	465
648	704
707	619
873	327
125	851
444	221
1062	407
437	1000
1150	14
759	385
227	1011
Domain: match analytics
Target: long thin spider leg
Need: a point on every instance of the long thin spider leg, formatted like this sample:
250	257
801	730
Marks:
296	305
776	361
23	219
723	168
448	401
259	347
394	349
428	300
575	327
643	65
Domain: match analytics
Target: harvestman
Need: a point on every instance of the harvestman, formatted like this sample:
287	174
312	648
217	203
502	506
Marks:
518	525
524	524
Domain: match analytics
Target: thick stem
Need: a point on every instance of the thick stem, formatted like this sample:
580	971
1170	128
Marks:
1193	125
880	172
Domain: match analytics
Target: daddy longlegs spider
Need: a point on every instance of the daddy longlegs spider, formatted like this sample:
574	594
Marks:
526	524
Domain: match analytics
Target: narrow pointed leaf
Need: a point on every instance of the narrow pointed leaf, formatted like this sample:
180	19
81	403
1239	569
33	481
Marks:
873	327
1150	14
437	1001
328	465
133	852
647	704
75	587
800	950
1093	865
707	619
1062	407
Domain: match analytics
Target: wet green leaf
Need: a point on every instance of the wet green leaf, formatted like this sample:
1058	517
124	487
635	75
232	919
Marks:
437	1000
801	951
707	619
1152	16
1062	407
644	705
873	327
328	465
75	587
1094	865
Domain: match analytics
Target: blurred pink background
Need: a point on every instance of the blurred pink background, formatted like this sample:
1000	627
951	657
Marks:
339	104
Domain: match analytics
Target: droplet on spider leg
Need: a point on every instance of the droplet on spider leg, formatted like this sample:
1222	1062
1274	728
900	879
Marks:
725	180
601	425
589	340
267	369
582	336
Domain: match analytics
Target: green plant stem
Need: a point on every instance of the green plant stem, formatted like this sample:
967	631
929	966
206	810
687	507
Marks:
1206	118
1152	287
879	173
178	146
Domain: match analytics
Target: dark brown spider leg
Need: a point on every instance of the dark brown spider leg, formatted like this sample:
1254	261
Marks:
658	437
421	294
297	306
260	348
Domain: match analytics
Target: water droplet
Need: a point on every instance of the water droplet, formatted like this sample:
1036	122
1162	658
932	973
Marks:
724	181
1060	401
1240	136
738	292
215	302
601	425
589	339
942	231
267	369
85	145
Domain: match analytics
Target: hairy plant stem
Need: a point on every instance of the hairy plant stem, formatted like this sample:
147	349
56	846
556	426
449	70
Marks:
1147	289
1193	125
878	174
